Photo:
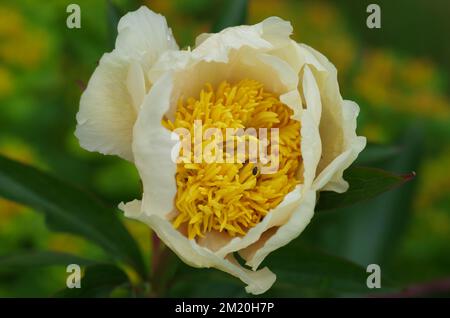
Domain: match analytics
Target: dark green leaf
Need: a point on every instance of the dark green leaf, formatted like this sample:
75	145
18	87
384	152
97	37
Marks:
206	283
305	271
369	232
234	13
69	209
365	183
42	258
374	234
202	282
301	271
98	281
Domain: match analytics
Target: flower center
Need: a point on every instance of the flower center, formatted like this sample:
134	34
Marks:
233	197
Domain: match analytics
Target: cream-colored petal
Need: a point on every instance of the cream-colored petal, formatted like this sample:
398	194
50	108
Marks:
330	179
217	47
142	36
298	221
292	53
312	94
286	74
106	116
294	101
136	85
109	105
311	57
340	144
152	147
132	209
311	144
277	31
233	54
277	216
194	255
266	35
272	29
191	74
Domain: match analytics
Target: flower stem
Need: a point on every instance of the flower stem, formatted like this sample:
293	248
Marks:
156	265
156	252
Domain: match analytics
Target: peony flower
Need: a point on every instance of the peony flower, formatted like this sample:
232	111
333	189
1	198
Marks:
146	89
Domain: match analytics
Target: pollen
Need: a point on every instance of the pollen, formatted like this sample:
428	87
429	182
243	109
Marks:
233	197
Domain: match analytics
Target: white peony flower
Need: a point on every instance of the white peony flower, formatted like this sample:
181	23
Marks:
245	76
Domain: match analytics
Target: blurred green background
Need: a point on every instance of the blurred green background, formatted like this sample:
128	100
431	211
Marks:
398	74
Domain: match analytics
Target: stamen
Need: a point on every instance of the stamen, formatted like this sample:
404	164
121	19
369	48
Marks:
233	197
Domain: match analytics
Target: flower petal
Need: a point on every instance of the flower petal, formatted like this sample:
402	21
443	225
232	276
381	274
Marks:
194	255
153	146
109	105
311	144
136	85
298	221
269	34
276	217
340	144
106	116
331	178
143	36
236	53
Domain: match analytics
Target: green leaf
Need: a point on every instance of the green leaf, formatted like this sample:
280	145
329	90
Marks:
301	271
42	258
98	281
365	184
234	13
202	282
69	209
374	234
369	232
305	271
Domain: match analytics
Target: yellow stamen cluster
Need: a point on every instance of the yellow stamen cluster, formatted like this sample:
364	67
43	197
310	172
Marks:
233	197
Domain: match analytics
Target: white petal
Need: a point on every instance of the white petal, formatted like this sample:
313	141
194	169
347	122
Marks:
330	179
109	105
152	148
311	145
194	255
294	101
293	54
272	29
136	85
310	57
269	34
277	31
106	116
298	221
191	74
340	144
143	36
276	217
284	73
312	94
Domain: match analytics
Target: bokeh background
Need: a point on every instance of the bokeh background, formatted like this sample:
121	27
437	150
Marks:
398	74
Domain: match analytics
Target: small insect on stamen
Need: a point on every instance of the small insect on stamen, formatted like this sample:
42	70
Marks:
255	171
